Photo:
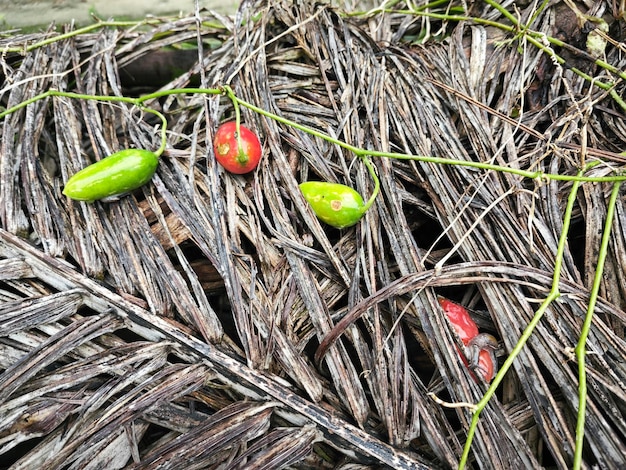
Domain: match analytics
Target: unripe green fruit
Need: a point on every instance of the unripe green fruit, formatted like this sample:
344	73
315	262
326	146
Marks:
114	175
336	204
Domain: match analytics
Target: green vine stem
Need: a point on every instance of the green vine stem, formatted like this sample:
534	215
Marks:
158	152
429	159
120	99
360	152
99	24
581	351
77	32
552	295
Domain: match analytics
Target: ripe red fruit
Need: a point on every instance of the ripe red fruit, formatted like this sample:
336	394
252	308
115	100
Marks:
484	344
480	345
457	314
238	156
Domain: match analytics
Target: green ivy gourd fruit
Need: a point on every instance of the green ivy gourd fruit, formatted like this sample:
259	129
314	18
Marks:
333	203
112	176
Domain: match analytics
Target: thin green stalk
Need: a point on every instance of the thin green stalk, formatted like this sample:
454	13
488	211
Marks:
374	176
231	94
459	18
386	6
553	295
183	91
120	99
582	340
533	37
428	159
76	32
67	94
161	148
503	11
360	152
537	12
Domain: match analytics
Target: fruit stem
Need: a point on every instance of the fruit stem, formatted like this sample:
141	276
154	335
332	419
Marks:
372	172
161	148
231	94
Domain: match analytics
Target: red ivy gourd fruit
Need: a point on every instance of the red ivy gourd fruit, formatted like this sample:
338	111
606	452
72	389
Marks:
238	154
482	357
112	176
336	204
480	345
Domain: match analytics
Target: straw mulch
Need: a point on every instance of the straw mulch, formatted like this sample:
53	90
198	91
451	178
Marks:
178	327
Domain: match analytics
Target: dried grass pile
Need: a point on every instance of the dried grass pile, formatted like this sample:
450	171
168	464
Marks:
177	328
